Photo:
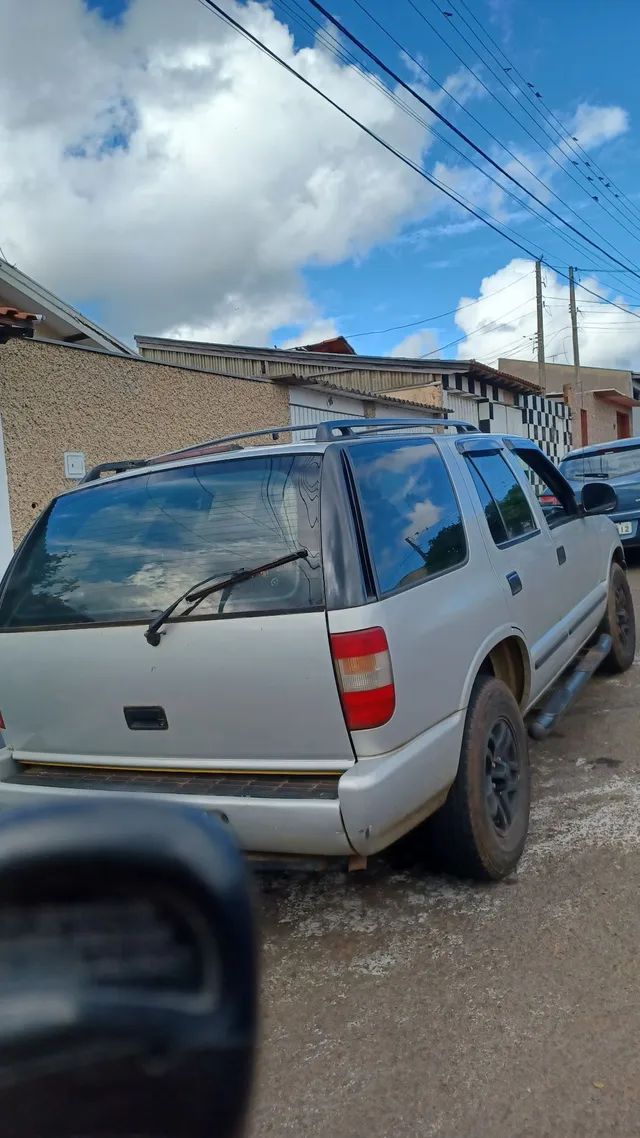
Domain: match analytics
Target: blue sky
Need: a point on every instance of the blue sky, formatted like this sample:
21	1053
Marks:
386	251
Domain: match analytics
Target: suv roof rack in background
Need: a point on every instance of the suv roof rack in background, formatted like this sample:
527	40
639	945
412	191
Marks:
325	432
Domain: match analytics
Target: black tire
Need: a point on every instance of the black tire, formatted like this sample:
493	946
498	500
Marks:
619	622
481	830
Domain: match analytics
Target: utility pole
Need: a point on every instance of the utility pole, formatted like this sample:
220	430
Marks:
576	351
542	372
574	325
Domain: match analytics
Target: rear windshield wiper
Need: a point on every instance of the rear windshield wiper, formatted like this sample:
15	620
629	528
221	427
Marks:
197	593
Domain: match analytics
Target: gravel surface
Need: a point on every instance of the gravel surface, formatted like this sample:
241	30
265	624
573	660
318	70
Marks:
396	1003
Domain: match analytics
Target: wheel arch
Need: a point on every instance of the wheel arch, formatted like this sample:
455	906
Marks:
507	658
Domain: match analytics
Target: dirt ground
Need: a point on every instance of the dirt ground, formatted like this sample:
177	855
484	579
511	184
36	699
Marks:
397	1003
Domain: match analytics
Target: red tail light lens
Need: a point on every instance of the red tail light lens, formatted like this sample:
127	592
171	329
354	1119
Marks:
3	725
365	678
548	500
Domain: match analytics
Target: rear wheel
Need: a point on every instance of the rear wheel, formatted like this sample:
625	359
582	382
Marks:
481	830
619	622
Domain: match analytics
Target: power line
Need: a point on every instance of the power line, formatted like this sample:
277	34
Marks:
446	190
477	212
324	36
562	130
447	122
512	154
535	97
480	328
502	82
439	315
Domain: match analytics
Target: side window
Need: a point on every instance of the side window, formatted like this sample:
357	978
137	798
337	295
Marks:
411	514
555	496
503	500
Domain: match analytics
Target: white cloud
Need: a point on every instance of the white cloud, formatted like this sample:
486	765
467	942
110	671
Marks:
229	177
416	344
505	324
594	125
423	515
165	172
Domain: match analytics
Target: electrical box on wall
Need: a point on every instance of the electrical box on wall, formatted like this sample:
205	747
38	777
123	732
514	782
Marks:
74	464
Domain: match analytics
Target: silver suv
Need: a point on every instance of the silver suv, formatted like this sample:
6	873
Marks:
328	643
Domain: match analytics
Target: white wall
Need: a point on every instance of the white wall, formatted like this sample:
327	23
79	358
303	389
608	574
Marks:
307	405
6	537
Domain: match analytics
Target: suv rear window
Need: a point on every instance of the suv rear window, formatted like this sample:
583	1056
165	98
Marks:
124	550
612	463
411	513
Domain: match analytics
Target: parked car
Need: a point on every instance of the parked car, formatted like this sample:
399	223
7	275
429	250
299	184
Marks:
619	464
328	643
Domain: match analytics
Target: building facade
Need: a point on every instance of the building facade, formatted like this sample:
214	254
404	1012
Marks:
602	400
489	398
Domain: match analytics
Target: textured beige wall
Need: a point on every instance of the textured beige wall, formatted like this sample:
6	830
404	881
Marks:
55	398
601	419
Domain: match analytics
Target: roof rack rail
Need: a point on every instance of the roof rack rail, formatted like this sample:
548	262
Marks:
115	467
325	432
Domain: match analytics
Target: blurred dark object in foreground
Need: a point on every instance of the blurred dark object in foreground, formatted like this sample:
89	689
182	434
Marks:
127	974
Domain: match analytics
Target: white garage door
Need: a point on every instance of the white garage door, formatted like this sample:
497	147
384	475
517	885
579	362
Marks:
311	407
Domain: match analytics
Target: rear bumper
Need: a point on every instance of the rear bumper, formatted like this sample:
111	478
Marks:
375	801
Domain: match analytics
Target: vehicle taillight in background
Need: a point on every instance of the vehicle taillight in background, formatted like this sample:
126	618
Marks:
548	500
3	725
365	679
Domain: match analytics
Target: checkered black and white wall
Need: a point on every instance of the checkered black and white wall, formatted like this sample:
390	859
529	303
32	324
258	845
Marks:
546	421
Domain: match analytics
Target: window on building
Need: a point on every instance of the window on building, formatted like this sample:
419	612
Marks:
411	513
502	498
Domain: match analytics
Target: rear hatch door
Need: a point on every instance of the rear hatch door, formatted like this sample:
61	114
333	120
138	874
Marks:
244	680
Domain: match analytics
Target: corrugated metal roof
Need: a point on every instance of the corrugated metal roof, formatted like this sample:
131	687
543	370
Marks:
388	369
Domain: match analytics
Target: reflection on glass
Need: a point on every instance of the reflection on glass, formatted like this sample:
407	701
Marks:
503	499
124	550
411	514
614	463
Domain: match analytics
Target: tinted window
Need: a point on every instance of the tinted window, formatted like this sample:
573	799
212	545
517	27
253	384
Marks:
503	499
410	512
554	494
125	550
614	463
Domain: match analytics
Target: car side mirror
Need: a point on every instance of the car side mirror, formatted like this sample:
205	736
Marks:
598	498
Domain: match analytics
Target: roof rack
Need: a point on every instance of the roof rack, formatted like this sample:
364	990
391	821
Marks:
116	467
326	432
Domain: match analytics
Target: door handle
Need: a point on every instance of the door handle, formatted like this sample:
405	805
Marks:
515	584
561	554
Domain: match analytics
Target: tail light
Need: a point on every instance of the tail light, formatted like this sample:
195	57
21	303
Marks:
365	679
548	500
3	725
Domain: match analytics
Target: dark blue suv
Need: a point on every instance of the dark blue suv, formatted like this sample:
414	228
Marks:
617	463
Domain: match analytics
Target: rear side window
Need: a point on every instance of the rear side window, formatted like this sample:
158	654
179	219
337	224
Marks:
411	513
125	550
502	498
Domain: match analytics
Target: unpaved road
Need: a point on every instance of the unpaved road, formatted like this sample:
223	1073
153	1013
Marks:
400	1004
